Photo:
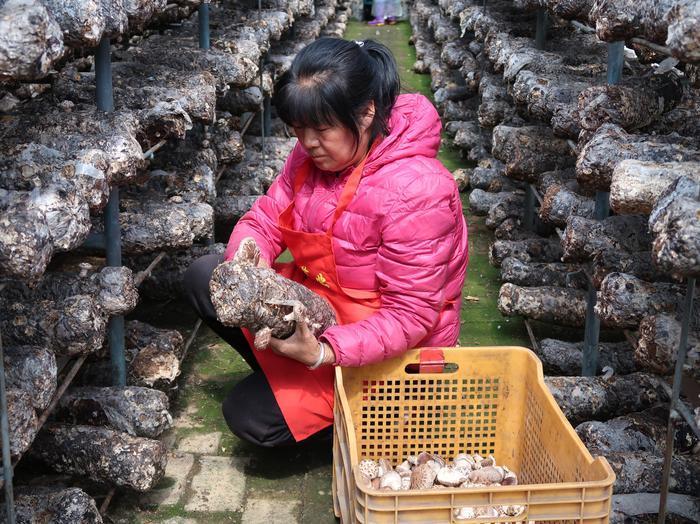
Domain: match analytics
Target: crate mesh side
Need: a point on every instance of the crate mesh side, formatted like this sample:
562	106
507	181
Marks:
538	466
405	416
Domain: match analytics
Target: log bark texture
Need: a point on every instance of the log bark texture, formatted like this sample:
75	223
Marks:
140	412
611	145
179	224
526	250
65	211
637	263
511	229
624	300
454	54
31	369
636	185
640	472
657	347
71	326
683	36
164	100
45	221
141	11
601	398
675	224
552	92
473	140
238	101
558	305
87	147
54	505
481	201
241	294
530	150
642	431
496	104
102	454
30	40
536	274
559	203
682	119
623	19
489	176
25	239
188	174
21	419
226	140
82	21
584	237
229	65
113	288
453	93
632	105
571	9
511	207
564	358
140	334
116	17
462	110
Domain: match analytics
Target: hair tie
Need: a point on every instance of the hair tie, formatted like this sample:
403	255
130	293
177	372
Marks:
360	43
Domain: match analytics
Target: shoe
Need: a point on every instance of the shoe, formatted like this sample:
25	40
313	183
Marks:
376	23
391	20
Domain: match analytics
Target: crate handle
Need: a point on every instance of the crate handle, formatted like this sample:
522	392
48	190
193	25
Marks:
431	361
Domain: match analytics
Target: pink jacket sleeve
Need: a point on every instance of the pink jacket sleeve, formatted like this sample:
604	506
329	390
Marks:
261	221
417	243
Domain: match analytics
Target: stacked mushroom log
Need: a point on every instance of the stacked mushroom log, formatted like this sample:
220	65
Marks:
546	118
60	158
241	164
177	126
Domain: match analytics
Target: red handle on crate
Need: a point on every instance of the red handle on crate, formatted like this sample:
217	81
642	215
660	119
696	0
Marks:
431	361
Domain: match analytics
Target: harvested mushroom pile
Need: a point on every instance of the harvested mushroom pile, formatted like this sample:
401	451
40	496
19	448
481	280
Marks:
430	471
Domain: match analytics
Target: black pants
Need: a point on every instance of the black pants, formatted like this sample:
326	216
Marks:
250	409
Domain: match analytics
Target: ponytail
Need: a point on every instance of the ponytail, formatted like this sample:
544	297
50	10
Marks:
387	84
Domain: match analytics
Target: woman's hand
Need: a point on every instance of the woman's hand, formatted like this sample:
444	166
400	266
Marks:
302	346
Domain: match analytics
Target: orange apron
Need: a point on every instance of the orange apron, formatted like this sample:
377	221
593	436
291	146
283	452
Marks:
305	397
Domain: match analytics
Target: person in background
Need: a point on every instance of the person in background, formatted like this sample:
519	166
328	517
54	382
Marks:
386	12
374	224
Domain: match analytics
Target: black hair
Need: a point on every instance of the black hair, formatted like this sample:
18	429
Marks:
332	81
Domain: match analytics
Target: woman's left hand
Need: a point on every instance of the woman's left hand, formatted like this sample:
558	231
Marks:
302	346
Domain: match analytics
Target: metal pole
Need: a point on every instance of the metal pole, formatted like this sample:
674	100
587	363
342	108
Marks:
262	115
602	205
6	460
267	111
541	29
113	248
103	76
204	25
616	60
675	395
529	213
589	365
589	362
105	102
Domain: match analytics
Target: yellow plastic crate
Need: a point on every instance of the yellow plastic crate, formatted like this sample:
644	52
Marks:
488	401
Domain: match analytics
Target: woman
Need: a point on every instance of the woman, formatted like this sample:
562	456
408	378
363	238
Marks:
374	223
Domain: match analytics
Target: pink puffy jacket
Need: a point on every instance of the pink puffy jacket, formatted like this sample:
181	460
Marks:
403	234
